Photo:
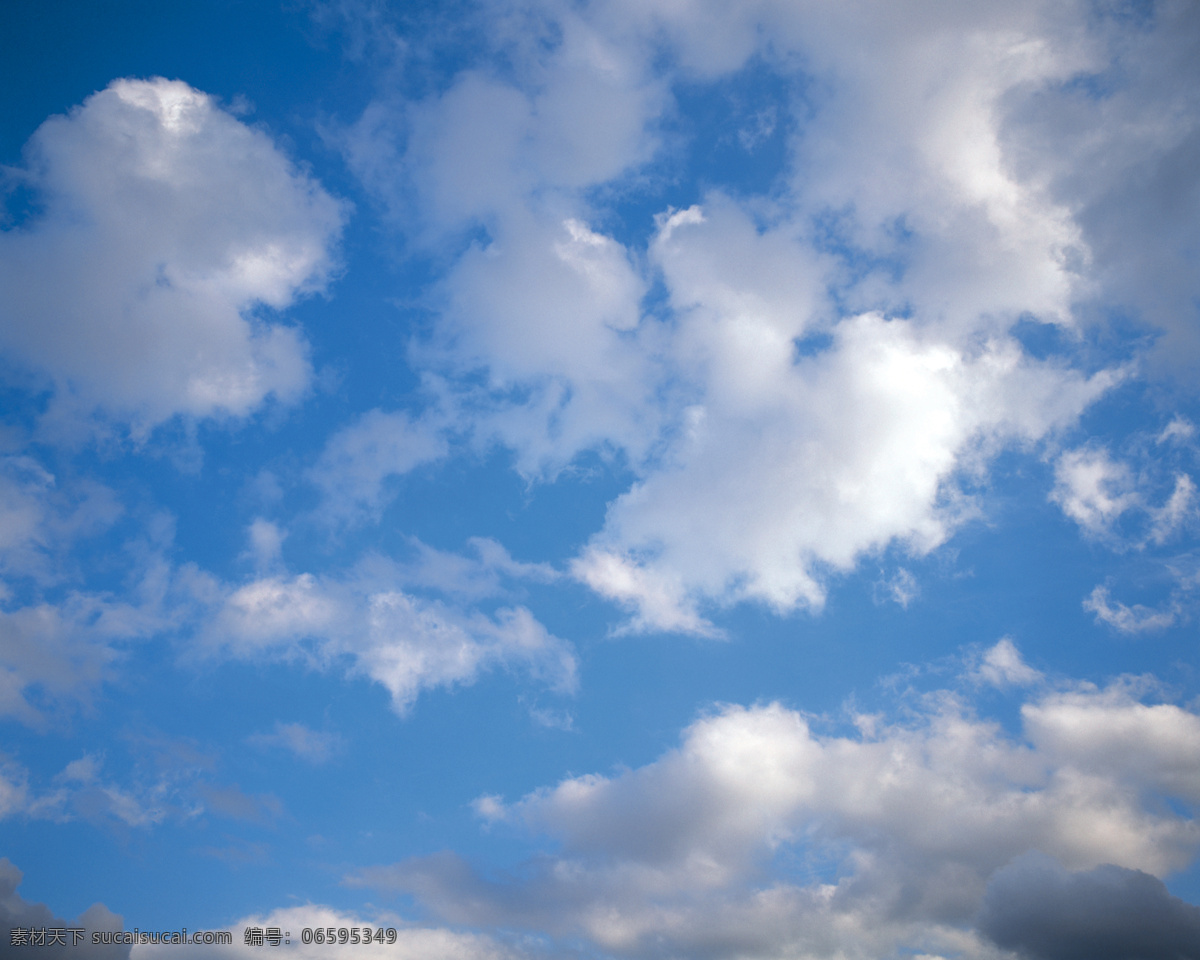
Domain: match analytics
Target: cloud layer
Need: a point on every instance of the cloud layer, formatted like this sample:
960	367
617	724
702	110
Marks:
759	836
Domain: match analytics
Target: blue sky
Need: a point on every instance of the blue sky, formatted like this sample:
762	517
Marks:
602	479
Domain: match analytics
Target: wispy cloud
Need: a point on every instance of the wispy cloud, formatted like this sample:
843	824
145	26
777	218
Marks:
314	746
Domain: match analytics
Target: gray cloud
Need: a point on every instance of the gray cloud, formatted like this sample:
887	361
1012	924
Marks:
17	912
1045	912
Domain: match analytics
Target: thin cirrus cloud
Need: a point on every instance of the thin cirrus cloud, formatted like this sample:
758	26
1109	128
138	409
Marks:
166	224
314	746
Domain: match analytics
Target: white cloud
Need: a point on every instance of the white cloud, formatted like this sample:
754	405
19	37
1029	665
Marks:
546	302
404	642
22	511
60	642
266	543
1173	515
167	225
52	655
358	460
1002	666
902	588
80	792
1152	748
1115	499
573	113
55	655
315	746
1179	430
169	781
469	577
759	836
794	468
914	135
232	802
1141	502
165	789
1130	619
821	363
550	310
657	598
1120	151
40	518
1092	489
83	770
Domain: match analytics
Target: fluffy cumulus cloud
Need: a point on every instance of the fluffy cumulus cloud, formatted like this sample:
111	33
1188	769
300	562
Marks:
402	640
549	310
15	796
797	378
793	467
167	228
760	836
1002	666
